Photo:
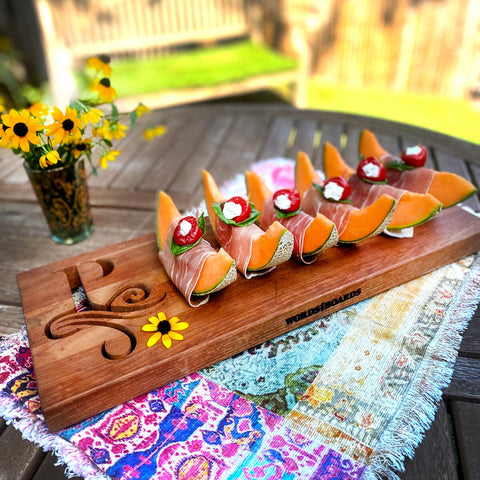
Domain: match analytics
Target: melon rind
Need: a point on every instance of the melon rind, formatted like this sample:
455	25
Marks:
229	278
282	253
330	242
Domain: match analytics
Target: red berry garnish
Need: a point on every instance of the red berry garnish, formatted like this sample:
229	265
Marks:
187	232
287	200
415	156
240	206
371	169
331	189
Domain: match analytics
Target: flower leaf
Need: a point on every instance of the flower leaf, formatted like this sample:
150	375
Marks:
217	207
114	113
133	117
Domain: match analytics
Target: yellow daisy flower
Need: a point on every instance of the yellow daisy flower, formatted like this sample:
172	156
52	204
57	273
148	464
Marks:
166	330
104	89
99	66
51	158
20	129
82	147
65	125
141	109
118	130
38	109
92	116
157	131
104	131
110	156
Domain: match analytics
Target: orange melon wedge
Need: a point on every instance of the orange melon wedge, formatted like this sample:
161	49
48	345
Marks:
369	146
333	164
219	269
448	188
363	223
319	235
270	248
414	209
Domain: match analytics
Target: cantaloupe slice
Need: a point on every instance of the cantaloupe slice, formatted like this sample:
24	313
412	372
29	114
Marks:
448	188
369	146
414	209
219	269
363	223
333	164
305	173
268	249
319	235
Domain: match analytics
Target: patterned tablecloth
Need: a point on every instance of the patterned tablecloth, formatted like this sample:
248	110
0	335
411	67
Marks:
348	396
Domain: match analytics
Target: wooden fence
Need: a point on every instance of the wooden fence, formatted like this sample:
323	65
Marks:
419	46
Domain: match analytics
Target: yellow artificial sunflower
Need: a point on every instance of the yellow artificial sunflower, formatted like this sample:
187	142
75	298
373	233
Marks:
110	156
92	116
166	330
141	109
65	125
51	158
99	66
84	146
104	89
19	130
157	131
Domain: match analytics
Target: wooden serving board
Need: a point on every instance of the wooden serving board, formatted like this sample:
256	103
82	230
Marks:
90	361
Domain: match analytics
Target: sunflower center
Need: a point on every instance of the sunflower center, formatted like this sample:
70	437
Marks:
164	327
105	82
20	129
81	147
67	125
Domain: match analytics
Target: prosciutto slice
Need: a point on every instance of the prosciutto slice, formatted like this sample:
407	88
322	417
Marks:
417	180
364	193
238	243
184	270
297	224
314	202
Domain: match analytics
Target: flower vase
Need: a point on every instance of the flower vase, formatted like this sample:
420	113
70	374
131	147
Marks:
63	195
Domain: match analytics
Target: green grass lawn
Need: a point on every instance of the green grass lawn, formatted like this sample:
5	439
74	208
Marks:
452	117
199	67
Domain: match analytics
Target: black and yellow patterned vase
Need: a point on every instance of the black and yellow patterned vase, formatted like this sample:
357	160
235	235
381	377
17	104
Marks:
63	195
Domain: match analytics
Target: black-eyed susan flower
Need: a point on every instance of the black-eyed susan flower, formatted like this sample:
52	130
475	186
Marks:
157	131
99	65
166	330
65	125
118	130
93	116
20	130
108	157
104	89
82	147
50	158
39	110
103	131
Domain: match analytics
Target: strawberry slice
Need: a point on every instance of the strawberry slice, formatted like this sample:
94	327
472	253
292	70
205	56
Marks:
337	189
187	232
415	156
287	200
237	209
372	170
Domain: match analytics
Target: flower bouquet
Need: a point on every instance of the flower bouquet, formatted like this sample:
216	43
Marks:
54	144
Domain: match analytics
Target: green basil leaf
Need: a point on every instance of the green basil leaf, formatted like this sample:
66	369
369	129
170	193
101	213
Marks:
401	167
281	214
374	182
217	207
320	189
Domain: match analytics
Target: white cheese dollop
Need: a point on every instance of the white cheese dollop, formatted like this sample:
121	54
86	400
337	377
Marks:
282	202
231	210
333	191
185	227
371	170
413	150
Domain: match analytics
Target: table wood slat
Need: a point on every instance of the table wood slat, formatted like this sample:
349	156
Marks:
434	458
470	346
277	138
464	383
350	151
466	419
329	132
48	470
303	139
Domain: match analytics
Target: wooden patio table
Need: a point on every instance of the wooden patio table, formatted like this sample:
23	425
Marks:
226	139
